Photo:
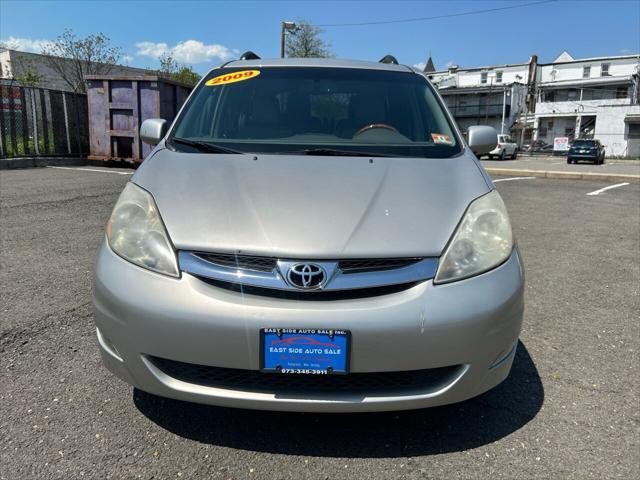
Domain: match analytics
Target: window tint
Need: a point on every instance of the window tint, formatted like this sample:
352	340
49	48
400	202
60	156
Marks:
287	109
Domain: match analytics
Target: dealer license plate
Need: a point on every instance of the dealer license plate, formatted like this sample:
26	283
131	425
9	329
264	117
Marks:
305	350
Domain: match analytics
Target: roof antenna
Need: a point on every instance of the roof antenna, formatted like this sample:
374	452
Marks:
388	59
249	55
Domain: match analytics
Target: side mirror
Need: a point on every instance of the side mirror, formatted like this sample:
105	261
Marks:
482	139
153	130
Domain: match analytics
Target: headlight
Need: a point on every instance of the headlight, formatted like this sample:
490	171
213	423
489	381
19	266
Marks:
135	232
483	240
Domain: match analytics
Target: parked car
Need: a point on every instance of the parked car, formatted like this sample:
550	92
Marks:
506	148
537	147
310	235
591	150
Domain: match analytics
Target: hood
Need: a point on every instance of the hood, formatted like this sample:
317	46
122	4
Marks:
311	206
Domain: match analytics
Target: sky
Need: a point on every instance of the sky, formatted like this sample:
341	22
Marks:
203	34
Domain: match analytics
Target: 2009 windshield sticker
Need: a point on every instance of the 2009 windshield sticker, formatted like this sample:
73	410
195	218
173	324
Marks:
232	77
441	138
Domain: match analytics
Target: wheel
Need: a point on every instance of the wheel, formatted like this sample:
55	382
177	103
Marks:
569	161
515	155
502	155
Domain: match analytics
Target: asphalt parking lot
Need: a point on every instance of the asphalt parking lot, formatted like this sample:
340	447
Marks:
540	162
569	409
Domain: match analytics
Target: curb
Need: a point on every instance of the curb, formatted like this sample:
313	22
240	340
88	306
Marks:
613	177
31	162
38	162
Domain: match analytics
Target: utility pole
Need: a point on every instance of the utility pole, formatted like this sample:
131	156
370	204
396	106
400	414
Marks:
580	109
504	109
486	107
284	26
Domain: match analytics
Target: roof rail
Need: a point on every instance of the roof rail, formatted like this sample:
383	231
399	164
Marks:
249	55
388	59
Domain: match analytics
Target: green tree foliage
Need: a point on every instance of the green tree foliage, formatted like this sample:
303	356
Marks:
73	58
304	41
169	68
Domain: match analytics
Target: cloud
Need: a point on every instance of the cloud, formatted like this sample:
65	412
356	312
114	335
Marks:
24	44
188	51
420	65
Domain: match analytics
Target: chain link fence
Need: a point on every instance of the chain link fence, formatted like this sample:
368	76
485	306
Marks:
42	122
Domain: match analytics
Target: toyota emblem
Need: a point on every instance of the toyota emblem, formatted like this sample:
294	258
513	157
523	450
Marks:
307	276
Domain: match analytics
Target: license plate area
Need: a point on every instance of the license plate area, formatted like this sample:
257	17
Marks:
307	351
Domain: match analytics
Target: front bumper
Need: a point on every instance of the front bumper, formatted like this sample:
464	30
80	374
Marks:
473	324
583	156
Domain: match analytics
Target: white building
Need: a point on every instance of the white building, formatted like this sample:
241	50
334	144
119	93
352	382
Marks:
576	98
590	98
493	95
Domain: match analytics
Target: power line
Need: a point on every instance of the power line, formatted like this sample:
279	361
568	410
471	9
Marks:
436	17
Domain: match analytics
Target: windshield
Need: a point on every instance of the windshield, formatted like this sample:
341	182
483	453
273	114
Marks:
584	143
316	109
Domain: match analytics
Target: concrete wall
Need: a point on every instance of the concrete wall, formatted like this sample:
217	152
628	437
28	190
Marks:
13	62
613	131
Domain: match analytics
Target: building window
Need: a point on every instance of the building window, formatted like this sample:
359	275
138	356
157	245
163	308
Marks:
604	70
621	92
586	71
483	77
634	131
498	77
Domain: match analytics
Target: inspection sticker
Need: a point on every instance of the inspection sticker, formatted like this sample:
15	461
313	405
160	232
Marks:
232	77
441	138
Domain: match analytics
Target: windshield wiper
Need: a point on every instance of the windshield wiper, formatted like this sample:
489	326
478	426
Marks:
205	146
332	152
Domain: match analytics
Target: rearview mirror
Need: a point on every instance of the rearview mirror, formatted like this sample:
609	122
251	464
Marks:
153	130
482	139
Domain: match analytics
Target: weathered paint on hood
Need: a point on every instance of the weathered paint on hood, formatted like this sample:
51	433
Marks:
310	206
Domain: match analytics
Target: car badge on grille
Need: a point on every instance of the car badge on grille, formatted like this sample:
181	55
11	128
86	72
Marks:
307	276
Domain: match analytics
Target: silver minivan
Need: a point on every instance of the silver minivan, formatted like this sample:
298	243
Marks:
311	235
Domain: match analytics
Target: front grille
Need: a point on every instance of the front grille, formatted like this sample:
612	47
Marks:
353	383
244	262
311	295
360	265
267	264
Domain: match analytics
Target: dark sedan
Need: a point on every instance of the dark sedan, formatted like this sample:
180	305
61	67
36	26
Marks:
590	150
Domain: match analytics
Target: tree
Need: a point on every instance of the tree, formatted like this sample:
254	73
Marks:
169	68
73	58
304	41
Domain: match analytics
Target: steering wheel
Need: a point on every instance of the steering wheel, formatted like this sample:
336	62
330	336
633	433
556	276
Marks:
374	125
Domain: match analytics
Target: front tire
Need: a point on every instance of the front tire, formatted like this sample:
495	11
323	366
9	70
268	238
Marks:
503	155
515	155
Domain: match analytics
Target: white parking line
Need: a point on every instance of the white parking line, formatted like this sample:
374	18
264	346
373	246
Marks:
513	178
91	170
598	192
